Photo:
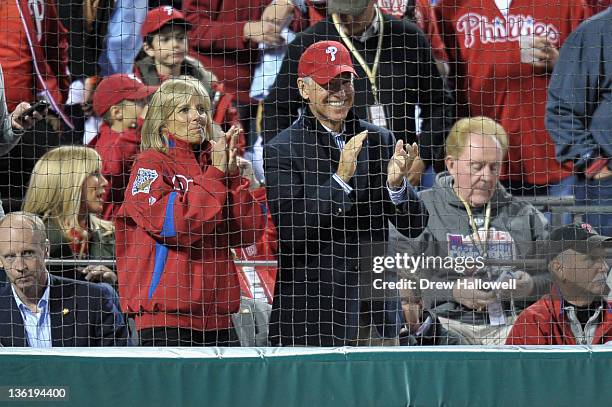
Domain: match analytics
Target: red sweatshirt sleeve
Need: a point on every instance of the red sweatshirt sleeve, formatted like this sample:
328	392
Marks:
209	31
247	219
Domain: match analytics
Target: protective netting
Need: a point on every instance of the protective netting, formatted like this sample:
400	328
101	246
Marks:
305	172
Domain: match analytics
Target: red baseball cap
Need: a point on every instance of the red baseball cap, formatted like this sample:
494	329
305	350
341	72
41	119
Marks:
116	88
325	60
159	17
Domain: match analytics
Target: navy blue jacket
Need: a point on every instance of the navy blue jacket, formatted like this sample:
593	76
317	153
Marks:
82	314
579	107
327	237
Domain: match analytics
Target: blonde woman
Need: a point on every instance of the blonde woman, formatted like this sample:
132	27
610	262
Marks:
67	191
185	208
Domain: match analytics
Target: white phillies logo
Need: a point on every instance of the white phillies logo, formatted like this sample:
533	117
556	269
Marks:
499	30
168	10
181	183
332	51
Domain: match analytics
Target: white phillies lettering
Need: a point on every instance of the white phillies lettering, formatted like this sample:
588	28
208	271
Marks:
498	30
37	11
396	8
168	10
332	51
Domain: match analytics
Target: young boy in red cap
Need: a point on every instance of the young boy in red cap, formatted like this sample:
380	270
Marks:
165	50
165	54
121	102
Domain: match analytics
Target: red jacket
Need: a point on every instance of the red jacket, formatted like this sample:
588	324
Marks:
117	151
174	234
543	324
484	55
35	27
217	33
265	248
597	6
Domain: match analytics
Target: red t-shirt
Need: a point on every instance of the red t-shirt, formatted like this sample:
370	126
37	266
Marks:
492	81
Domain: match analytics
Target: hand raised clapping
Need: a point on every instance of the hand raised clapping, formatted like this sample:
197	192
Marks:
224	151
348	158
400	164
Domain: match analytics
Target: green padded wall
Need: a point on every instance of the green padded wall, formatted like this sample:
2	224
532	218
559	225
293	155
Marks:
241	377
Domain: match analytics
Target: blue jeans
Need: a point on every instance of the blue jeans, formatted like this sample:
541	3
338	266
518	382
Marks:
598	193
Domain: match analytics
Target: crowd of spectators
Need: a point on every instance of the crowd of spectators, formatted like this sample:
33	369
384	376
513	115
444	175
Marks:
154	144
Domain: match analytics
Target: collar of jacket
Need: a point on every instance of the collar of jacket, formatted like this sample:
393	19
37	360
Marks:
177	146
180	149
444	183
351	126
190	66
370	32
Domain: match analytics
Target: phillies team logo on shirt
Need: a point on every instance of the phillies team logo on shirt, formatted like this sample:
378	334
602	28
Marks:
475	26
181	183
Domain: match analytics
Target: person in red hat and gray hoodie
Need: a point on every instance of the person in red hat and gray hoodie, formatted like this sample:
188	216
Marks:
334	182
120	100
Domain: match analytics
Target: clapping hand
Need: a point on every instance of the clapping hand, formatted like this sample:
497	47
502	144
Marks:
400	164
538	51
224	151
99	274
348	158
263	32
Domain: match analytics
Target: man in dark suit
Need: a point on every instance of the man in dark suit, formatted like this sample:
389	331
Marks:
333	183
40	310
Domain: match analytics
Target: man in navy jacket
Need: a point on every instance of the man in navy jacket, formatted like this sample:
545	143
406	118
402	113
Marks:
41	310
333	183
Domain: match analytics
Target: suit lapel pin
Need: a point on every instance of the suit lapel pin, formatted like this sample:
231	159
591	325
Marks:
65	311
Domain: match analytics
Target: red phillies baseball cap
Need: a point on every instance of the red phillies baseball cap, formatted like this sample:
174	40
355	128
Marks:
159	17
325	60
115	88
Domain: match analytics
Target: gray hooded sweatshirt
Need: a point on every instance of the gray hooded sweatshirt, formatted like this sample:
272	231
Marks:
514	226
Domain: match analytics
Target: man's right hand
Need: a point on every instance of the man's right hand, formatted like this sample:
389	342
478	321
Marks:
263	32
473	299
348	157
24	123
605	173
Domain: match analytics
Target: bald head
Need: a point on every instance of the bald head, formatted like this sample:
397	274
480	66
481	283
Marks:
23	248
25	222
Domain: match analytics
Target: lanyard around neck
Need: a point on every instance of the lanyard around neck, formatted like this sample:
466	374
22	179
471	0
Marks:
468	209
371	73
